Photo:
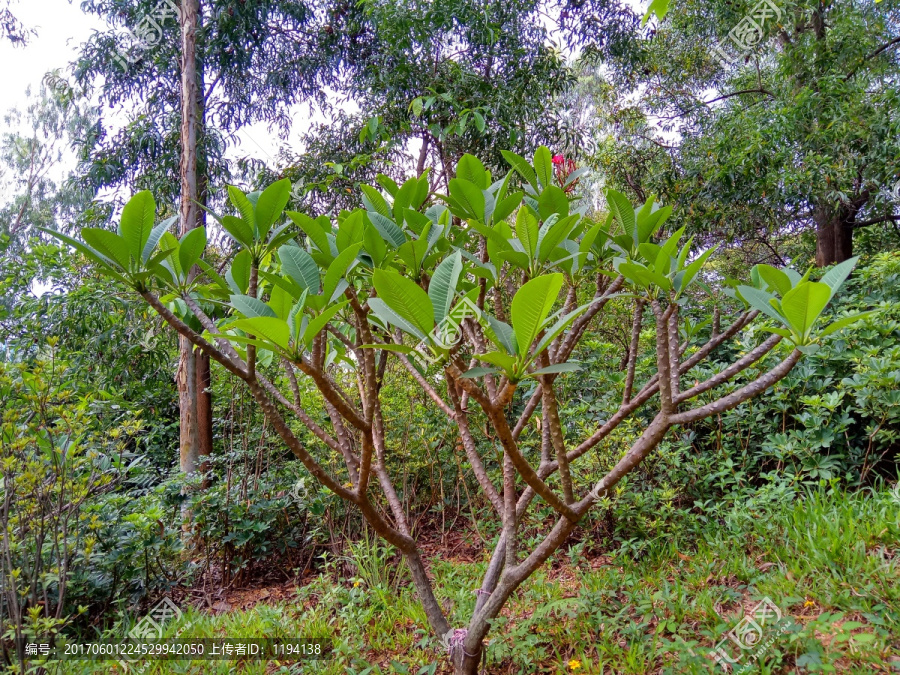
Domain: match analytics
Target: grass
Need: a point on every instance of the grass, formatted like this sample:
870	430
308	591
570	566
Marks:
829	562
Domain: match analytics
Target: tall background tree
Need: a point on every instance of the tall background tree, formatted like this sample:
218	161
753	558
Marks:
795	136
183	83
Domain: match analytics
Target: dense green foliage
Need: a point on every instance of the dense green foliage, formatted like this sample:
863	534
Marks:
792	495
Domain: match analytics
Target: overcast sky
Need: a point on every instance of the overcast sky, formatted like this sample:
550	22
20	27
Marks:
61	28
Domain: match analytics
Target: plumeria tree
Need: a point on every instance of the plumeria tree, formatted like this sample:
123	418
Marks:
480	295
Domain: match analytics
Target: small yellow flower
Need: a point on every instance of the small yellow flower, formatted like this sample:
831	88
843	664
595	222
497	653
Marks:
356	583
808	603
348	484
574	664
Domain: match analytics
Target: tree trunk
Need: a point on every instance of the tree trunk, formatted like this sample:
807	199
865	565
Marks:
834	235
193	377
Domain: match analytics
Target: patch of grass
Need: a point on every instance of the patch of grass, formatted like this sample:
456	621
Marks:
829	562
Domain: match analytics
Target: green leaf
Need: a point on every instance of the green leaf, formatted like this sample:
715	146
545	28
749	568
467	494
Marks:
775	278
836	276
299	266
552	234
658	7
442	287
506	206
374	201
388	183
567	367
684	278
337	269
318	323
238	230
543	166
191	248
527	231
270	205
137	222
238	274
388	229
281	302
478	372
553	200
245	208
503	361
405	298
760	300
803	305
389	317
522	167
501	334
251	307
469	196
531	305
87	251
471	169
399	349
374	244
623	213
846	321
351	231
271	328
311	229
154	237
108	244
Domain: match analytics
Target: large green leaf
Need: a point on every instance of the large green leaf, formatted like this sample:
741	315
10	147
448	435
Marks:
623	213
191	248
760	300
312	229
405	298
846	321
238	230
469	196
299	266
543	166
238	275
522	167
836	276
775	278
471	169
250	306
91	254
318	323
281	301
388	229
390	318
567	367
245	208
503	361
337	269
155	234
374	201
351	231
501	334
802	305
109	244
442	288
137	222
270	205
271	328
527	230
553	200
531	305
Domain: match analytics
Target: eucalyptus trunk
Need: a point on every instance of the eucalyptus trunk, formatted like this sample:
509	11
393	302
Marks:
193	377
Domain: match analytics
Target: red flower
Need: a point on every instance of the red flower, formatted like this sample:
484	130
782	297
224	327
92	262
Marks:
558	159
